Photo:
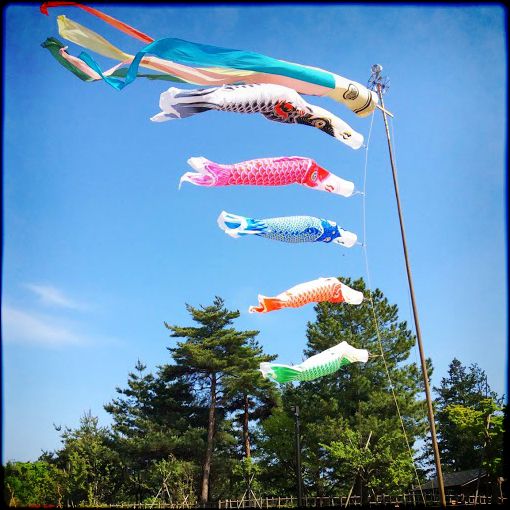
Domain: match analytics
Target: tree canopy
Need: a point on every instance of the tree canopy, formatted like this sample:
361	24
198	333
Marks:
205	425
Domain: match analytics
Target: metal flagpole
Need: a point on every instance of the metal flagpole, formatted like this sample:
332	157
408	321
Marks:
298	456
380	83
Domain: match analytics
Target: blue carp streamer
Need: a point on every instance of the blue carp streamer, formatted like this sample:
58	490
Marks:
289	229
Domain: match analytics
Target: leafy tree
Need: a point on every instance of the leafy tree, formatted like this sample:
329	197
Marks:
276	452
470	418
210	358
354	403
32	483
246	475
367	462
484	427
172	481
88	463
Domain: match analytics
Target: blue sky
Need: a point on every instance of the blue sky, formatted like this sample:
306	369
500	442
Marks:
100	247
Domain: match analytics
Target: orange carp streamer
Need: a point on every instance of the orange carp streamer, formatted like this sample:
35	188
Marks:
323	289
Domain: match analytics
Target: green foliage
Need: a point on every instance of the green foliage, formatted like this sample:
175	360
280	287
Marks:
466	386
212	347
464	404
132	410
32	483
172	481
483	429
209	427
275	452
382	468
247	476
151	422
88	463
248	396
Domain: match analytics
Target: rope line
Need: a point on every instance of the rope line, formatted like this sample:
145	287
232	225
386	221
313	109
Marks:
376	323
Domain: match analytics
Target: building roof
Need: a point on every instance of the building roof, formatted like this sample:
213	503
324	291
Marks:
459	478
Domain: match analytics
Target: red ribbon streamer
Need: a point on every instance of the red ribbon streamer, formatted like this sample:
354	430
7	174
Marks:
123	27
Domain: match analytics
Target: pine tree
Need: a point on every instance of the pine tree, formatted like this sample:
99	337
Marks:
248	393
151	423
210	358
464	386
131	410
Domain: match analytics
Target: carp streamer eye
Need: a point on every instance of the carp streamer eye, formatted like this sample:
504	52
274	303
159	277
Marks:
319	123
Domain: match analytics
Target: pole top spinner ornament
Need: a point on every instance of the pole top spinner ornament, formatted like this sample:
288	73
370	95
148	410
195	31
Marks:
376	78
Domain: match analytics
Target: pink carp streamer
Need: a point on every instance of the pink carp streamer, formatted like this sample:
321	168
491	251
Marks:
323	289
267	172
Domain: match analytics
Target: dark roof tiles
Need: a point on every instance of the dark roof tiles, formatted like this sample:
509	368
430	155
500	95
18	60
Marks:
459	478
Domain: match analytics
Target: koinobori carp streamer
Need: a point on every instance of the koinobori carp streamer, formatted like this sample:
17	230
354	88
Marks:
325	363
279	171
289	229
274	102
329	289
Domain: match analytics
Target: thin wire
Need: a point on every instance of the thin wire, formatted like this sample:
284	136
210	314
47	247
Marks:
376	323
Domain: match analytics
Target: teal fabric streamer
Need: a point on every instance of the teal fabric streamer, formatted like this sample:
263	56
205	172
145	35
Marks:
189	53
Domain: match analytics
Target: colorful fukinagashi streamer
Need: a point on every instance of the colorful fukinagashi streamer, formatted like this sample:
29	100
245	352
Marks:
329	289
274	102
325	363
289	229
279	171
85	73
226	64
